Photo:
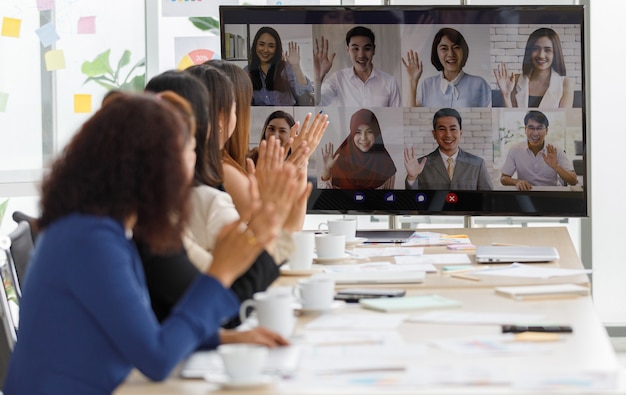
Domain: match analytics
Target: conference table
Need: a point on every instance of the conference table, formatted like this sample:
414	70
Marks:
456	351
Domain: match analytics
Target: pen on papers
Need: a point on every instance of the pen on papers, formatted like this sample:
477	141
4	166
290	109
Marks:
363	370
537	328
462	269
464	276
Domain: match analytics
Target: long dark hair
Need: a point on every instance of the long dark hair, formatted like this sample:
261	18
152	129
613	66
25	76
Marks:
221	99
126	159
208	170
274	79
238	144
558	62
277	115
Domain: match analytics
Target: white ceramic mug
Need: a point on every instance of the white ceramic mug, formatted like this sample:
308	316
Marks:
330	246
243	361
302	256
344	226
274	309
315	293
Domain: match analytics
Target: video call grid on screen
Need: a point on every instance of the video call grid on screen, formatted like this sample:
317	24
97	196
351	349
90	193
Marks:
494	36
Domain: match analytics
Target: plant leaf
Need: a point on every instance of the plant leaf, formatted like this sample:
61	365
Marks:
103	82
124	60
99	66
205	23
137	84
141	63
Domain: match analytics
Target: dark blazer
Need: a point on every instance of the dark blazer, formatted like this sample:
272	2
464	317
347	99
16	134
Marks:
169	275
470	173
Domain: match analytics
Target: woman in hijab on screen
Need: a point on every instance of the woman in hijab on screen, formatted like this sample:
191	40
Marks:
361	161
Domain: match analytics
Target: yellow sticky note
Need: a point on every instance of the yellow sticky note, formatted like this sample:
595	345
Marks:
82	103
11	27
55	60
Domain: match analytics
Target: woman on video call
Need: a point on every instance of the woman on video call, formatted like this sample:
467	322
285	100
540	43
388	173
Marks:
361	161
277	80
543	82
452	87
277	124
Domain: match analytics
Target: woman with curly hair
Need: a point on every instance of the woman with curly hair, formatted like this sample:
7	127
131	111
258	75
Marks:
127	171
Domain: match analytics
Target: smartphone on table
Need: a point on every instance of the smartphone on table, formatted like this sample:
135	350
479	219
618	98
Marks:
352	295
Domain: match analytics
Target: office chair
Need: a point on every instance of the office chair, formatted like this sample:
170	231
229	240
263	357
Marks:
19	216
10	296
21	247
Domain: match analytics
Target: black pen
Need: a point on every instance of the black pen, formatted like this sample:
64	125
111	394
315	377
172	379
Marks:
537	328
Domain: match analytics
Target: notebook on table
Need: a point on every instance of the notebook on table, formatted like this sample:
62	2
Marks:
407	303
504	254
546	291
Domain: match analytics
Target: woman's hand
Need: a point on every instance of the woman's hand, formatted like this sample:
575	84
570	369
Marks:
258	335
413	66
506	83
277	179
238	244
329	160
310	133
295	219
293	54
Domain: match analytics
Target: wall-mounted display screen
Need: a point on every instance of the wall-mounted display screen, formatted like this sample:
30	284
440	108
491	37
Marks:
460	110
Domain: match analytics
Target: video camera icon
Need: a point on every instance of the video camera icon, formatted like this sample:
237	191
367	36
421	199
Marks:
359	197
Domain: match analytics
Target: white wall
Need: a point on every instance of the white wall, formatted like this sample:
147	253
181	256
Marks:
607	142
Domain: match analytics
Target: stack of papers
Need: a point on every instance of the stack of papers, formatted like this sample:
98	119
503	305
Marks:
435	239
418	302
543	291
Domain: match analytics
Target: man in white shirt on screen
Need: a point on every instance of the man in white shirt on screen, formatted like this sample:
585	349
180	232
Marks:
534	161
358	86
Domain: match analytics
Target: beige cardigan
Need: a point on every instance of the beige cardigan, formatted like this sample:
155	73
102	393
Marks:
211	210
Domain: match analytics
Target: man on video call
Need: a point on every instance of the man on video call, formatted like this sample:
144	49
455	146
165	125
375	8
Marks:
358	86
447	167
534	161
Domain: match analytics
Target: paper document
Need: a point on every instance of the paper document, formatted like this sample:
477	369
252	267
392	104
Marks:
382	266
444	259
529	271
479	346
435	239
365	252
357	321
476	318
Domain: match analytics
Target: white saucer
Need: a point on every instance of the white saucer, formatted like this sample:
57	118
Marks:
285	270
262	381
335	305
337	259
356	241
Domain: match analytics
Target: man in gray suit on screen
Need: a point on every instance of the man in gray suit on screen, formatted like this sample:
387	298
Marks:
448	167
